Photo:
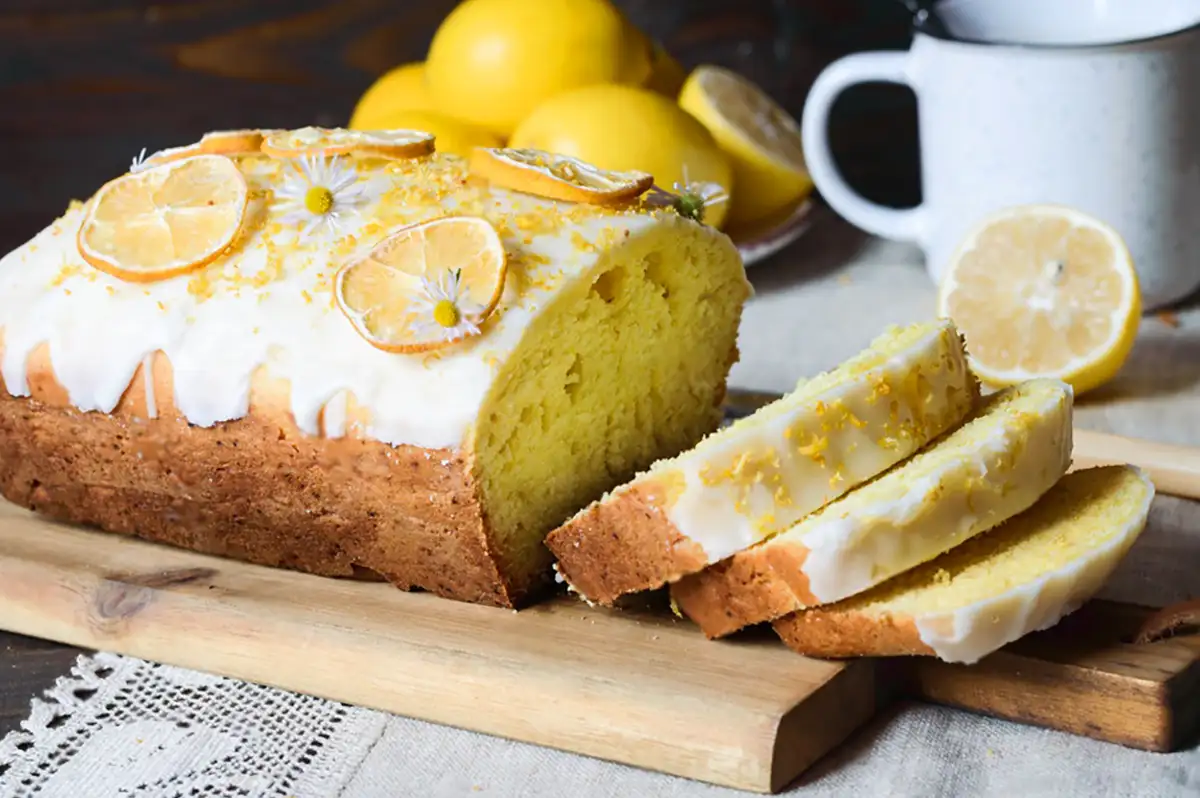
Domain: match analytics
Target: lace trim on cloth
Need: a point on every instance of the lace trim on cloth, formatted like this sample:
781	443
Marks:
119	726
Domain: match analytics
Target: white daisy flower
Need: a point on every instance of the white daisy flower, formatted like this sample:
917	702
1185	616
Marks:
320	192
442	313
695	198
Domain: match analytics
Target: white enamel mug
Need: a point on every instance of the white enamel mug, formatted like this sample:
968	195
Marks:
1112	129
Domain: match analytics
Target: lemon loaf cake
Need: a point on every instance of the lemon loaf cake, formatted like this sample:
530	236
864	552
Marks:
763	473
1021	577
344	353
1014	448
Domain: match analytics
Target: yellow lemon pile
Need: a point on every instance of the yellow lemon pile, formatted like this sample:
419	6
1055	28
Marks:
578	79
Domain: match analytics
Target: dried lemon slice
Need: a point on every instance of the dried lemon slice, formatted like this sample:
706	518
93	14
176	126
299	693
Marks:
426	285
166	220
559	177
234	142
1044	291
218	142
338	141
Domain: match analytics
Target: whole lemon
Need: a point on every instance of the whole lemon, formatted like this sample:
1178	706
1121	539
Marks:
450	135
625	127
402	87
491	62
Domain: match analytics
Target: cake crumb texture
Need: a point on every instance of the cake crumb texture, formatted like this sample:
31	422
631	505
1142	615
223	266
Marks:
617	371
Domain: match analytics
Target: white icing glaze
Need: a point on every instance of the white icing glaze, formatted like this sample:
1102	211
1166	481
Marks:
268	304
151	403
969	633
992	469
727	516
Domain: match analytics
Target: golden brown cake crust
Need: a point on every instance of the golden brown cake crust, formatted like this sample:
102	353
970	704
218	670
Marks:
744	590
254	489
622	545
836	633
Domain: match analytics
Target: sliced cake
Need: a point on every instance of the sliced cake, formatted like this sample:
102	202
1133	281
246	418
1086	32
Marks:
1021	577
762	474
336	351
1014	448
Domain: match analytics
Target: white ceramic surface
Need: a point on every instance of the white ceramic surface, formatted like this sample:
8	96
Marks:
1111	130
1066	22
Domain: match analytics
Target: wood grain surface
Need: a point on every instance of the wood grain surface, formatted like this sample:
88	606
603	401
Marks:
1085	676
641	688
1174	469
637	686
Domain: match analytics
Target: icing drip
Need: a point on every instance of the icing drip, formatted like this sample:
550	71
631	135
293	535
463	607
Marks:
148	379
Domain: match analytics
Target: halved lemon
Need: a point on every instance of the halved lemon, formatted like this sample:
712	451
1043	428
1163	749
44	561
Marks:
166	220
338	141
426	286
558	177
761	139
217	142
1043	291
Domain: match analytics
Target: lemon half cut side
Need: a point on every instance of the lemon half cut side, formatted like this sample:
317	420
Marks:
1043	291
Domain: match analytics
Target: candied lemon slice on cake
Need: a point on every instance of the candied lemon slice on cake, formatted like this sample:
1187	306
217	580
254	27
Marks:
761	139
425	286
234	142
1044	291
337	141
218	142
559	177
166	220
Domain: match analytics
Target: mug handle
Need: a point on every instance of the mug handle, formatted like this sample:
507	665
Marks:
897	224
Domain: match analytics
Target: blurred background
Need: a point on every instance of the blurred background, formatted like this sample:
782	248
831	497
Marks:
85	84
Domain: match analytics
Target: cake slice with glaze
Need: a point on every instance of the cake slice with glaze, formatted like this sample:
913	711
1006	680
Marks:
1021	577
760	475
1012	450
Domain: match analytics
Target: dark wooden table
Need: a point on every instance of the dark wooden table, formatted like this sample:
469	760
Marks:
28	666
85	84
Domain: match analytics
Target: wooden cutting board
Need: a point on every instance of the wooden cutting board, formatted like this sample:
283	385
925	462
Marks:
639	687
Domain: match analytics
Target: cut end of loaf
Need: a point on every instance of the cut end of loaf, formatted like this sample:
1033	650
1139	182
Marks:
624	368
